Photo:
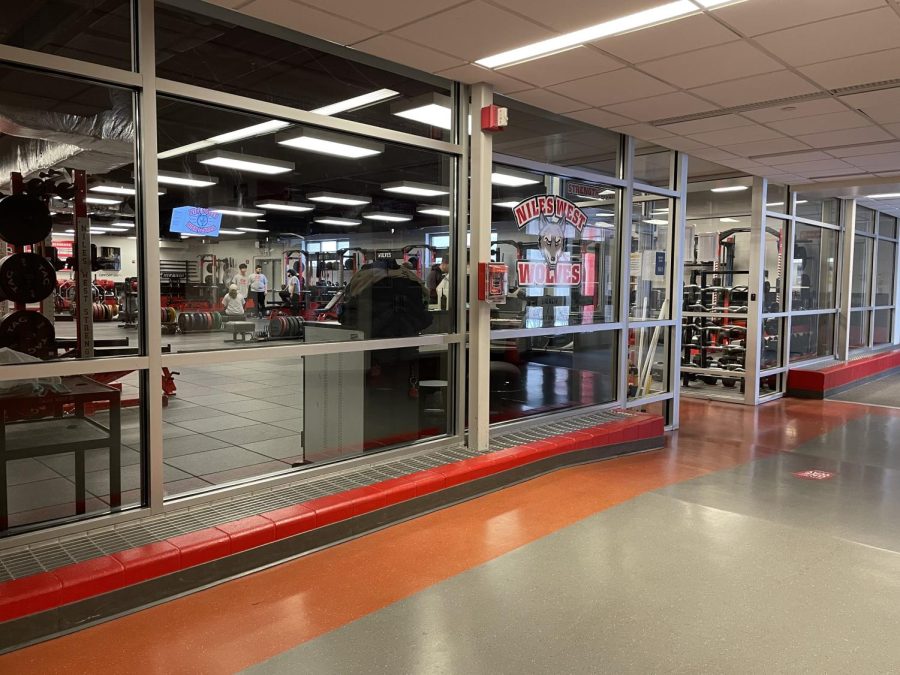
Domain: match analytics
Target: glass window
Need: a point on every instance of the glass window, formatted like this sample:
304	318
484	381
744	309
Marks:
305	232
885	273
46	478
865	219
558	239
237	421
539	136
650	257
648	361
98	31
653	164
811	336
817	208
814	275
770	344
862	271
859	329
777	198
57	131
720	199
773	272
884	325
249	63
547	373
887	226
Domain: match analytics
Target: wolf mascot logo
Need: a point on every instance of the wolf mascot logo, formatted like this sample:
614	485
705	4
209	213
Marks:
552	215
552	236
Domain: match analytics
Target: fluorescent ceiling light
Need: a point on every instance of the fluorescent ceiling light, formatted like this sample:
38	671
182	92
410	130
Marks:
885	195
92	231
731	188
278	205
506	203
338	198
802	201
660	211
174	178
122	223
328	143
101	200
729	220
251	229
654	221
249	132
357	102
185	149
113	189
338	221
387	217
235	211
109	229
776	204
222	230
408	187
432	109
433	211
649	17
511	178
249	163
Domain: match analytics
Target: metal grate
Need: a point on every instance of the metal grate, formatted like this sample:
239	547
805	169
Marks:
45	557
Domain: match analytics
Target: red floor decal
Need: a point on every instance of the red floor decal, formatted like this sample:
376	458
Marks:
814	474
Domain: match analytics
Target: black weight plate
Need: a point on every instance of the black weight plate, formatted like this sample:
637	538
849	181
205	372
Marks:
28	332
26	277
24	220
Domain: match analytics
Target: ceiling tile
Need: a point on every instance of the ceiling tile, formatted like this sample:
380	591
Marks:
548	100
617	86
894	129
713	64
562	67
884	162
765	16
646	132
863	150
599	118
472	74
683	144
747	134
883	114
796	158
381	15
568	15
875	67
402	51
742	164
473	31
791	110
310	21
707	124
833	165
767	87
661	107
231	4
674	37
769	147
828	139
835	38
713	155
820	123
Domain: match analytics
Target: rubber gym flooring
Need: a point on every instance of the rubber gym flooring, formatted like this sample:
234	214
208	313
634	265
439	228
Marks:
707	556
884	391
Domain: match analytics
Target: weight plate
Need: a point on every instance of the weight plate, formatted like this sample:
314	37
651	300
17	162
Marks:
26	277
28	332
24	220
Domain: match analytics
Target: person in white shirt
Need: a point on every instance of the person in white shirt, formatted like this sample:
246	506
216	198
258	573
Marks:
293	287
242	281
259	286
233	304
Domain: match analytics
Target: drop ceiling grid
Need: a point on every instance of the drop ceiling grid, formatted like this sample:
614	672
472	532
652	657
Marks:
751	25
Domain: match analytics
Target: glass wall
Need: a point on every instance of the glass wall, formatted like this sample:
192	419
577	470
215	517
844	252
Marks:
873	283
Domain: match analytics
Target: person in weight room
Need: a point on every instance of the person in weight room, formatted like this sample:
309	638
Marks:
242	281
259	286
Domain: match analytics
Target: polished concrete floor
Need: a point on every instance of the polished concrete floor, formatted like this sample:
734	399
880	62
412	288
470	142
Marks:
709	556
884	391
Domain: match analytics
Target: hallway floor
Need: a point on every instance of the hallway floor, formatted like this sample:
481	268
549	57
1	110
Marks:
711	555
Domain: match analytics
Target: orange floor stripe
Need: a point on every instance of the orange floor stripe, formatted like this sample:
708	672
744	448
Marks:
235	625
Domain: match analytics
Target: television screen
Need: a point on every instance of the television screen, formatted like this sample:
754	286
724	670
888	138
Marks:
195	220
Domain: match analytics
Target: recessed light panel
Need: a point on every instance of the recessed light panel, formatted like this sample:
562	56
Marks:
338	221
432	109
278	205
408	187
339	198
328	143
248	163
386	217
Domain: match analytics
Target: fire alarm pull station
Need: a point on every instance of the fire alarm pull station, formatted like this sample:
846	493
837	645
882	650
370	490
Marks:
493	282
494	118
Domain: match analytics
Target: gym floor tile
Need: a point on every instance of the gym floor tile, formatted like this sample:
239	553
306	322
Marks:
187	445
251	433
280	412
214	461
94	460
292	424
224	397
242	472
278	448
195	412
178	487
220	423
97	482
239	407
21	471
38	494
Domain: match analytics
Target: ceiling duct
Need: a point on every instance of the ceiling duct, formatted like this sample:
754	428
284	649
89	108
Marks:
35	141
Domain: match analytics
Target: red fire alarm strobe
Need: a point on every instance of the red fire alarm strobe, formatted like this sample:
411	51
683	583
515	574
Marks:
494	118
493	282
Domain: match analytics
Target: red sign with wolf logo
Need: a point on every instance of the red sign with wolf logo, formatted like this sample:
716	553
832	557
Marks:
553	214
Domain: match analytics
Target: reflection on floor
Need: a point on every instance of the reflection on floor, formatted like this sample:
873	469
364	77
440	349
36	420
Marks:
884	391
